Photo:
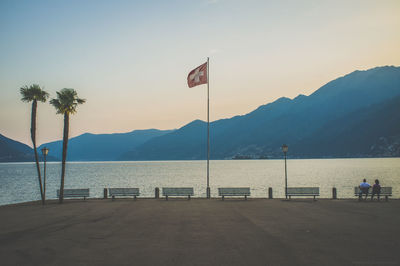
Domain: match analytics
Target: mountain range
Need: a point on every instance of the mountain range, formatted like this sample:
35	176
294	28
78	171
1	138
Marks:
103	147
14	151
357	115
85	147
353	116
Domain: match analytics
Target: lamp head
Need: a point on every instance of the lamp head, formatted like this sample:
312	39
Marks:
45	151
285	148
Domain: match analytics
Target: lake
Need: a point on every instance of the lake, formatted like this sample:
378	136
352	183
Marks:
18	181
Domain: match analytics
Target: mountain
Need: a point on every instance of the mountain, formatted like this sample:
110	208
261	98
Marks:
185	143
357	115
14	151
330	116
370	132
102	147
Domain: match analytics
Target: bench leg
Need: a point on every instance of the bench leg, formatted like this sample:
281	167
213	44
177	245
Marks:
314	198
223	197
113	198
188	197
387	198
84	198
290	197
135	197
166	197
245	197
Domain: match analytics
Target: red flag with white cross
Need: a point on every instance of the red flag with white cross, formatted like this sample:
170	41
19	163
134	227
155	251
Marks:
198	76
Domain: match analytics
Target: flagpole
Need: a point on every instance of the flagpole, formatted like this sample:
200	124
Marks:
208	128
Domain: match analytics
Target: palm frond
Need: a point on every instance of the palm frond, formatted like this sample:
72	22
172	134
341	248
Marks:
33	92
56	103
80	101
67	101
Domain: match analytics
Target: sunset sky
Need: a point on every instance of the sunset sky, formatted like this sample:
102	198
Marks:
130	59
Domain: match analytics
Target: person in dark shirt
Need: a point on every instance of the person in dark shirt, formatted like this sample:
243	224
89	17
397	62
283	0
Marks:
376	189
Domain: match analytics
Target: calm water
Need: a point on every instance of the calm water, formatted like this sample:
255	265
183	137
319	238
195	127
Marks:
18	181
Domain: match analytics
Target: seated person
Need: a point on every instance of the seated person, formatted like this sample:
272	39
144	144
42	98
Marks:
364	186
376	189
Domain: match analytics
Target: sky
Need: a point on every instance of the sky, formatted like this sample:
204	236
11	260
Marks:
130	59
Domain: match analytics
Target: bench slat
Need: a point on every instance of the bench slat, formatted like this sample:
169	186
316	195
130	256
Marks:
234	191
74	193
123	192
385	191
303	191
177	191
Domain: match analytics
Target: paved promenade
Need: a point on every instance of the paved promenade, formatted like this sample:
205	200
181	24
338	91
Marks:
201	232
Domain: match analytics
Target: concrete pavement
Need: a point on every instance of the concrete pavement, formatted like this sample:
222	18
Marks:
201	232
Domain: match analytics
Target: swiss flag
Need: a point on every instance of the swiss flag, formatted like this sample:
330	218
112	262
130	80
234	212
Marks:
198	76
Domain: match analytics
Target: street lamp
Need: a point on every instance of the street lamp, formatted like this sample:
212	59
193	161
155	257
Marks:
45	151
285	150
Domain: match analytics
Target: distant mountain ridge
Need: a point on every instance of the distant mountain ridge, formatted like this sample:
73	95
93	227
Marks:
373	131
14	151
357	115
262	132
102	147
85	147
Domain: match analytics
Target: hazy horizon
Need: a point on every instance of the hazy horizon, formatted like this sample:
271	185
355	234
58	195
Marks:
130	59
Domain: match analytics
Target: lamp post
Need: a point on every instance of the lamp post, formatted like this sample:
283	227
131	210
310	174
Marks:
45	151
285	149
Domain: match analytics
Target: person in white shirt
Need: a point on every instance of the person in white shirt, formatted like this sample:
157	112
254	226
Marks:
364	187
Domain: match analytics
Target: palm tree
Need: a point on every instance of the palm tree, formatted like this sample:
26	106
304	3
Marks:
34	94
65	104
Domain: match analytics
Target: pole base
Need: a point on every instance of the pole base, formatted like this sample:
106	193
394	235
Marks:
208	193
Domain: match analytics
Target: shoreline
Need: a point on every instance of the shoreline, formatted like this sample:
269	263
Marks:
194	160
294	199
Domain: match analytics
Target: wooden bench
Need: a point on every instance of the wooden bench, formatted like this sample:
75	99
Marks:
234	191
177	191
303	191
75	193
385	191
123	192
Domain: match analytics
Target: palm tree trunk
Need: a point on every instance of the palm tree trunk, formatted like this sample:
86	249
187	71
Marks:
33	137
64	154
